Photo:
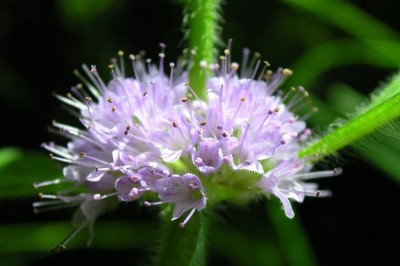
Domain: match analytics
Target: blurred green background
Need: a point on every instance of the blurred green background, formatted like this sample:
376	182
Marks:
339	50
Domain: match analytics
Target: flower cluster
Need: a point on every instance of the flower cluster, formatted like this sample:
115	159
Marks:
151	138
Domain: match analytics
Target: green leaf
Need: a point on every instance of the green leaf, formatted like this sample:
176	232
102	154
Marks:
182	246
333	54
383	108
382	147
292	239
20	169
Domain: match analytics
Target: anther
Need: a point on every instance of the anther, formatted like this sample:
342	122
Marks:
82	154
79	86
132	57
257	55
113	108
314	109
145	93
277	109
88	98
266	63
69	95
318	193
287	72
189	96
121	53
111	66
184	99
235	66
226	51
126	130
203	123
96	197
109	100
337	171
242	99
174	124
267	75
51	156
224	134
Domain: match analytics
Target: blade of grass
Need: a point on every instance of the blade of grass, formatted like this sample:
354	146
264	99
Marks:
357	23
333	54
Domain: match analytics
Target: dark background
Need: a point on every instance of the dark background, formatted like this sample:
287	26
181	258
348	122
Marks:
41	42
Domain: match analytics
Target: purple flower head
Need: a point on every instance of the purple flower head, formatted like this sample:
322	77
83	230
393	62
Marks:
152	134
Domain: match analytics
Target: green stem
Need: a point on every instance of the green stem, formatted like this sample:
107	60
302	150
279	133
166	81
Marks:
355	128
183	246
203	35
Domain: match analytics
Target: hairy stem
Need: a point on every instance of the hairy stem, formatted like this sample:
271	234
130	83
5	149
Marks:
202	33
383	108
183	246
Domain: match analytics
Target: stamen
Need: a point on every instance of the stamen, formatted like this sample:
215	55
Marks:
121	61
71	102
245	59
62	245
181	225
148	204
266	64
100	197
84	155
161	55
37	185
94	90
171	74
95	78
318	174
